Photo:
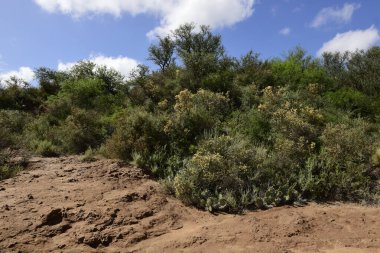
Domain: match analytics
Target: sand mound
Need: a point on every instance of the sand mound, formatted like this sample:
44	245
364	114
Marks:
65	205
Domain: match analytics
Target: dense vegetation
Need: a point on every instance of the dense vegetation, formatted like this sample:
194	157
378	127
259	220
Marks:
221	133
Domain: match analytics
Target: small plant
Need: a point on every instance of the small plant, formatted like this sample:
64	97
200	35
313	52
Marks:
8	171
46	148
376	157
89	155
8	167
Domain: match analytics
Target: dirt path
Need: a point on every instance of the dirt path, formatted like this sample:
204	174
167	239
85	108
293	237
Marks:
64	205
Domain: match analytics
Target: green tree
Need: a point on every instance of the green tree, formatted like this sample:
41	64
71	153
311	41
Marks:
162	54
200	50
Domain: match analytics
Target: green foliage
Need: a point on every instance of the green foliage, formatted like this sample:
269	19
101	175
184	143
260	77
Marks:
216	173
339	169
11	127
200	51
346	143
80	131
49	80
10	168
45	148
19	95
353	101
376	157
219	132
7	171
89	155
73	135
162	54
253	123
136	132
298	70
195	114
364	69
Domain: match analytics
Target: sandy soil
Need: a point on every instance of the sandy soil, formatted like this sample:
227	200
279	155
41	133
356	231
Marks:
64	205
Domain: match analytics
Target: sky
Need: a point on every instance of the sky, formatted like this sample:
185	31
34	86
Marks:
117	33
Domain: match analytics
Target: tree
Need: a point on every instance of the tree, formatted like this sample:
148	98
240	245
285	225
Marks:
49	80
335	65
19	95
200	50
162	54
364	70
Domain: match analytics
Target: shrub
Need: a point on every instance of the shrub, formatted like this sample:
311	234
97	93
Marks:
89	155
216	174
7	171
46	148
9	168
376	157
340	169
12	124
73	135
345	143
253	123
195	114
297	120
80	131
352	100
136	131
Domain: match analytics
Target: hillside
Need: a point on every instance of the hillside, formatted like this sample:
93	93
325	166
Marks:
65	205
224	133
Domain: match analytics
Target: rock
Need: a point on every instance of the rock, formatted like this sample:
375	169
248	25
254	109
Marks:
53	218
144	214
2	189
97	240
59	230
130	197
12	245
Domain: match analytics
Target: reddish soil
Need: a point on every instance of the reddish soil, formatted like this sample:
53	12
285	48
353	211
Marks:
65	205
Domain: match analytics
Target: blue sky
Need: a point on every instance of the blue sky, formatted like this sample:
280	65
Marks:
117	33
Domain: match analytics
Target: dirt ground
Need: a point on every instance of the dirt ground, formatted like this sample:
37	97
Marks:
64	205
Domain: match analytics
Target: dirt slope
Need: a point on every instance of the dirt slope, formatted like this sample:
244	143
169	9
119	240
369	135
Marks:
64	205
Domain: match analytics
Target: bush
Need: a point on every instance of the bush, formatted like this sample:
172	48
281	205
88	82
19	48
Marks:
340	169
45	148
80	131
353	101
253	123
221	133
89	155
136	131
297	120
195	114
7	171
376	157
346	143
73	135
12	124
9	168
216	175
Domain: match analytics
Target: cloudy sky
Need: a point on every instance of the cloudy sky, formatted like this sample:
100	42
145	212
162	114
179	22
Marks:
117	33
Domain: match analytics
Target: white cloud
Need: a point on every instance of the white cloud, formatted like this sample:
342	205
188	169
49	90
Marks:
24	73
285	31
331	14
172	13
124	65
351	41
